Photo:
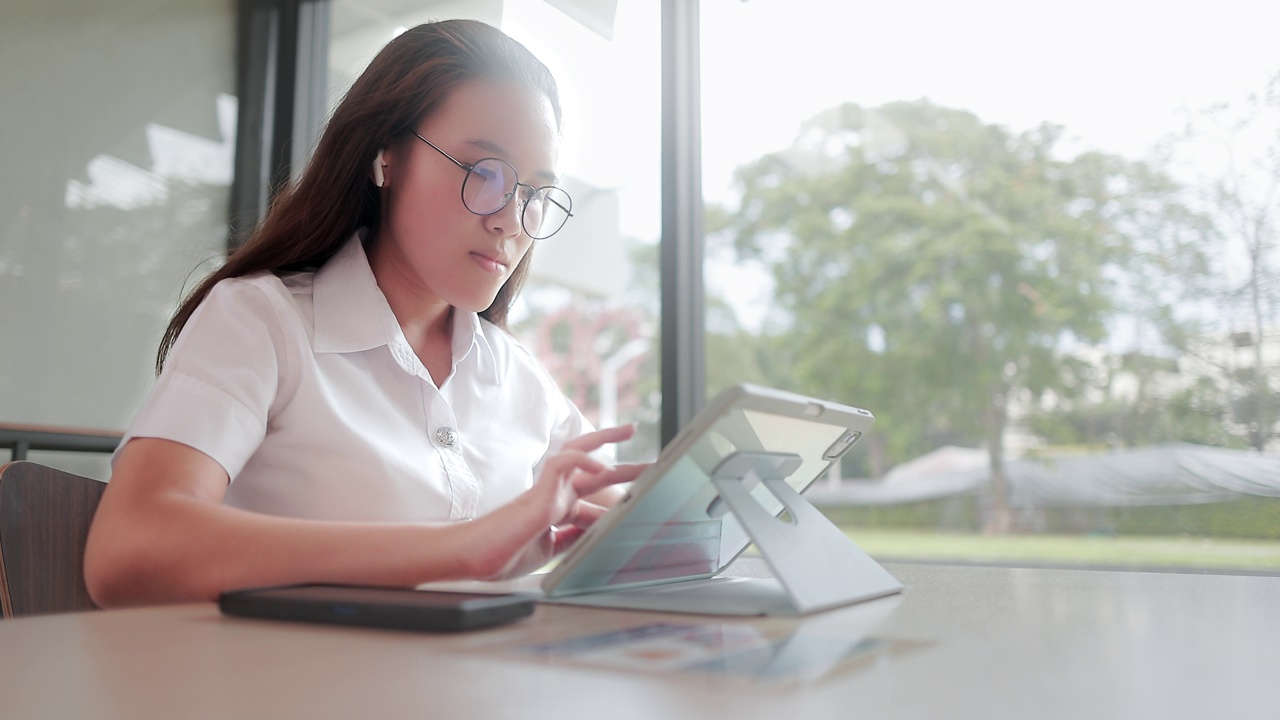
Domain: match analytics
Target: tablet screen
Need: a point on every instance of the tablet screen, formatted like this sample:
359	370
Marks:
673	525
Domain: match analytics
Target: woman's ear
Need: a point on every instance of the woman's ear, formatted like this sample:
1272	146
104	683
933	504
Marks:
379	163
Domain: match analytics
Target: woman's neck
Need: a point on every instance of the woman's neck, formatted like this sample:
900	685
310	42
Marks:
425	318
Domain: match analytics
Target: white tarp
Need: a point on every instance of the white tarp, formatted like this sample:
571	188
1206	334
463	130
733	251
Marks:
1171	474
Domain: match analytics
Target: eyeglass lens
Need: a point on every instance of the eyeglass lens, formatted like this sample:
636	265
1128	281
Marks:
490	184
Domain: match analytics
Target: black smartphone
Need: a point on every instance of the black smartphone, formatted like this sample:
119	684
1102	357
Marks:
398	608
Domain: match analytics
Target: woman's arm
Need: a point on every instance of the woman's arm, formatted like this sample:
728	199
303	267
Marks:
161	533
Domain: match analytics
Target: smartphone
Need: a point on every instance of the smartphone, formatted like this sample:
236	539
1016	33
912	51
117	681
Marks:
397	608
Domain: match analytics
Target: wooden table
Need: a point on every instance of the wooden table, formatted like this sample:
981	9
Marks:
960	642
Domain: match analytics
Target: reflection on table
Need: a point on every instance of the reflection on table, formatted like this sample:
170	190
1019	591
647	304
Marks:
959	642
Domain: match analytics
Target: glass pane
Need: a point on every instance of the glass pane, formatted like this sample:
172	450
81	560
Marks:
1039	243
119	127
589	311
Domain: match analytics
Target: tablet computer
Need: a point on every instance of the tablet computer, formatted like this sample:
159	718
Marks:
672	525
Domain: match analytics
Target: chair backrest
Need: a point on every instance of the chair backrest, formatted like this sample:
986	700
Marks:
44	522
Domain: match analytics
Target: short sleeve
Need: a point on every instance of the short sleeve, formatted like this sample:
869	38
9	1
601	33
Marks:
222	374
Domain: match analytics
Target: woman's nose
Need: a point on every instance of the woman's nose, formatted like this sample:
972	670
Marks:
506	221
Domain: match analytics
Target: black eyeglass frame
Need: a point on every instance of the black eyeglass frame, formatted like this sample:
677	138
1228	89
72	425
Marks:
568	211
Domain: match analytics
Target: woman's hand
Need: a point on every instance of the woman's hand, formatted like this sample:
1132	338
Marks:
553	514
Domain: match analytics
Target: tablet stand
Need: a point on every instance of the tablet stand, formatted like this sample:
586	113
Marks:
818	565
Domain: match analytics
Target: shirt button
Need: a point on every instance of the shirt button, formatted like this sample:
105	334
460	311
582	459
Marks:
447	436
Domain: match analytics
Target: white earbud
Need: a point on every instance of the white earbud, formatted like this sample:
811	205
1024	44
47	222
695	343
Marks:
379	178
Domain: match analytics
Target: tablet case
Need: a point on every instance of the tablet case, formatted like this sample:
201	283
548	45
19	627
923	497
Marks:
733	477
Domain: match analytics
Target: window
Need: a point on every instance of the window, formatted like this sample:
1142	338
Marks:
114	186
1039	244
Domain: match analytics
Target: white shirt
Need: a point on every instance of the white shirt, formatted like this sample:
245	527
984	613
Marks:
306	391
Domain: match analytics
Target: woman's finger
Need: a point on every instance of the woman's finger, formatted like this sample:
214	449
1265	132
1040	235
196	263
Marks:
597	439
589	483
585	513
564	537
566	461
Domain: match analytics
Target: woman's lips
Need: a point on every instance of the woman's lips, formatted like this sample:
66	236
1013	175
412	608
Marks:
487	263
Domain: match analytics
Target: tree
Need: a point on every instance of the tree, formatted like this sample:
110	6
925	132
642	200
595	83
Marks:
1139	400
1231	152
934	268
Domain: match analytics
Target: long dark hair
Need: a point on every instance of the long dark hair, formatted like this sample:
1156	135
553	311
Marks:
308	222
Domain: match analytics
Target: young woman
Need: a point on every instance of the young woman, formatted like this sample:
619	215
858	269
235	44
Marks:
339	402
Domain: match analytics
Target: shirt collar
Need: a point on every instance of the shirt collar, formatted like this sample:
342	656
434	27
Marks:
347	300
471	339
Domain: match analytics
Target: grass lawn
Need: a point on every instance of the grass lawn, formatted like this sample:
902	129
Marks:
1122	551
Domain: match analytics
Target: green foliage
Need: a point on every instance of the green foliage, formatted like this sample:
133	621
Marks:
934	266
1195	414
953	514
1251	517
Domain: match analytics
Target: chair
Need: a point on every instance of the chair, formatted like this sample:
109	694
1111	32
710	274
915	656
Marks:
44	522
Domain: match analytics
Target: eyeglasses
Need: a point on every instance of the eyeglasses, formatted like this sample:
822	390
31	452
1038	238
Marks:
490	185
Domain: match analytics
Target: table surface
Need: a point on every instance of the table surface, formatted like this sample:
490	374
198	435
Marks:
959	642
